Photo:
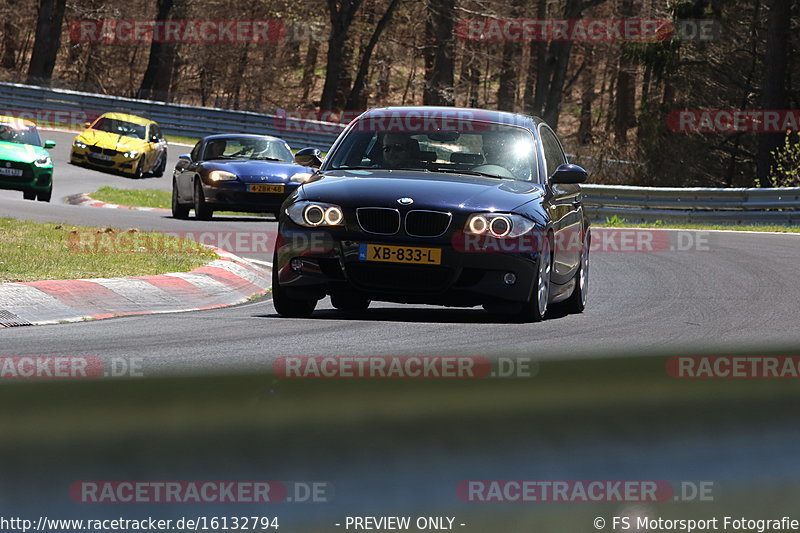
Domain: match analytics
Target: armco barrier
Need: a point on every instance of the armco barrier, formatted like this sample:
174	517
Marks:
176	119
687	204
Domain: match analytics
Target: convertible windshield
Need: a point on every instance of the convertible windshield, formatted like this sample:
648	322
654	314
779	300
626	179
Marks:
492	150
19	133
121	127
247	148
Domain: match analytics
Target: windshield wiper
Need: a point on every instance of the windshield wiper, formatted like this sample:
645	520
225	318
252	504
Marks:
471	173
267	158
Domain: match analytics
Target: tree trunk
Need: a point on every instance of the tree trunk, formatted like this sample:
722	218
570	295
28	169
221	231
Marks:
157	76
308	69
357	98
339	53
439	53
536	92
625	112
48	40
773	91
10	35
587	99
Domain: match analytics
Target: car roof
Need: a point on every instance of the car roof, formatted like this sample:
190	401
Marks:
7	119
128	118
242	135
467	113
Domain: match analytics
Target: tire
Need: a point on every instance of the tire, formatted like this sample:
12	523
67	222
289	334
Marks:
536	309
352	304
284	305
576	302
158	171
201	209
139	172
44	196
178	210
29	195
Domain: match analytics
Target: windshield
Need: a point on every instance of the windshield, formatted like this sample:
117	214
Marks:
493	150
121	127
19	133
247	148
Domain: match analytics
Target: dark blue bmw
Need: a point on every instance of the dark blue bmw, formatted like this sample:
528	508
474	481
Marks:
250	173
435	205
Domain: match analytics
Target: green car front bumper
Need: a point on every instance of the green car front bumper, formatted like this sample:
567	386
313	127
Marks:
18	176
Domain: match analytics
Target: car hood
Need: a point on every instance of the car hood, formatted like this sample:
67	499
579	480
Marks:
250	171
428	190
105	139
20	153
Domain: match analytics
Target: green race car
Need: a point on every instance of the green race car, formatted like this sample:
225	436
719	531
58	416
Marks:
25	164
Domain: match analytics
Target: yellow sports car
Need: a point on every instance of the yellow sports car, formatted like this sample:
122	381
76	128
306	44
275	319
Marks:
128	144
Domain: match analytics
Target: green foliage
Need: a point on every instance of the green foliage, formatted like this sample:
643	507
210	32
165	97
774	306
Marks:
785	171
614	221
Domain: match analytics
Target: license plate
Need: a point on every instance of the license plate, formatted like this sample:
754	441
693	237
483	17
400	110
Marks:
259	187
101	157
400	254
10	172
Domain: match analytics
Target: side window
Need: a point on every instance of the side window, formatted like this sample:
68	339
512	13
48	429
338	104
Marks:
196	151
553	155
155	131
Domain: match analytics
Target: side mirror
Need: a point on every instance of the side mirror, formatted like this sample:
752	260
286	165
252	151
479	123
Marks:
87	125
185	157
308	157
568	173
49	144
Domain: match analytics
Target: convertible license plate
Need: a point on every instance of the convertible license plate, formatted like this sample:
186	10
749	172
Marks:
10	171
101	157
400	254
259	187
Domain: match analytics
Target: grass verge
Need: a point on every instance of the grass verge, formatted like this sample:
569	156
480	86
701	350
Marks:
145	198
31	251
615	222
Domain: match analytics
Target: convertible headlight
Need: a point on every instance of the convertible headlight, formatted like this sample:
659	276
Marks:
43	161
499	225
131	154
221	175
300	177
80	144
313	214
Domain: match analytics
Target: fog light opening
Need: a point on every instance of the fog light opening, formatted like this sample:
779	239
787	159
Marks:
510	278
296	265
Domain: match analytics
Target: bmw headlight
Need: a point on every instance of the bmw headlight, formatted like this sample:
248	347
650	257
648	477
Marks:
43	161
131	154
80	144
300	177
499	225
314	214
221	175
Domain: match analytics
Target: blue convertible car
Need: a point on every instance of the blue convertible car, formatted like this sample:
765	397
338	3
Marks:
250	173
445	206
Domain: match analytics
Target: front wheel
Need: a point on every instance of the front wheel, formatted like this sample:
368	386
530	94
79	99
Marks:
139	172
44	196
576	302
352	304
159	169
29	195
285	306
201	209
536	309
178	210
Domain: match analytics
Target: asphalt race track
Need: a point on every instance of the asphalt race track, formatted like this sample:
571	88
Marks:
740	292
